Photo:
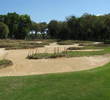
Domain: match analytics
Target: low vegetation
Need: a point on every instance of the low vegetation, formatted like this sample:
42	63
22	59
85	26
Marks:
72	42
45	55
21	44
66	42
68	54
4	63
85	85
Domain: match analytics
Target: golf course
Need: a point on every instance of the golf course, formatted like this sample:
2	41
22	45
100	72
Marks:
54	50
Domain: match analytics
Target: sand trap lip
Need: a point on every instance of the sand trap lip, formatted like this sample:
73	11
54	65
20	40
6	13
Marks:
22	66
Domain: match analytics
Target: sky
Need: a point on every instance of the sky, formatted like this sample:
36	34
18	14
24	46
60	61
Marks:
46	10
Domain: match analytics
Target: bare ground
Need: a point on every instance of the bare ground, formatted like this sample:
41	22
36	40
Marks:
23	66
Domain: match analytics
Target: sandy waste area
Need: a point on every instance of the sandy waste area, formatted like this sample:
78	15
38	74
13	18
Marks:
22	66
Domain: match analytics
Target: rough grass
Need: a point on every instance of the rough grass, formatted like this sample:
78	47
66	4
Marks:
21	44
4	63
105	50
85	85
71	42
25	44
90	46
45	55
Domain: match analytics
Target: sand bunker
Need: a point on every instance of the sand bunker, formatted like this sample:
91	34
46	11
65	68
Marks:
22	66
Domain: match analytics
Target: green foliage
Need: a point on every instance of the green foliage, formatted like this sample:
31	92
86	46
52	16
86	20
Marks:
19	25
87	27
54	29
3	30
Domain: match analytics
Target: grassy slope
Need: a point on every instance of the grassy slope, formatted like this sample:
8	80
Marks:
85	85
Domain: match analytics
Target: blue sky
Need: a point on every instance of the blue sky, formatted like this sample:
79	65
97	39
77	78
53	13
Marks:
46	10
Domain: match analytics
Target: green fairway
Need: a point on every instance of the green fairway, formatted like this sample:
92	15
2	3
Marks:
85	85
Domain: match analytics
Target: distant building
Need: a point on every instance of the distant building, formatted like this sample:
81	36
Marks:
32	32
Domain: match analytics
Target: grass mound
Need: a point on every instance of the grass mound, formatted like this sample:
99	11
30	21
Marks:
5	63
84	85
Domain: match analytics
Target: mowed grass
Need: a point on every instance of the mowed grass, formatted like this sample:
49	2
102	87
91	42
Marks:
85	85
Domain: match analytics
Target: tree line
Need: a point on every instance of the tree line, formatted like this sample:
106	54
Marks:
86	27
17	26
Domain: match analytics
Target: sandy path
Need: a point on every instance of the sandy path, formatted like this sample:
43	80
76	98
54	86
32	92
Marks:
23	66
